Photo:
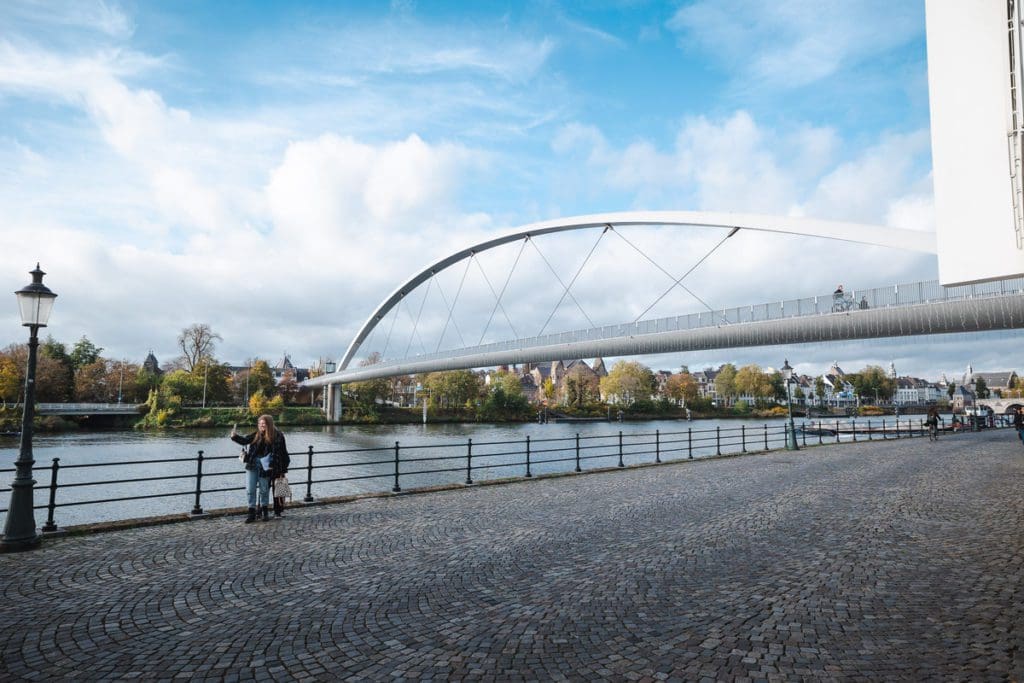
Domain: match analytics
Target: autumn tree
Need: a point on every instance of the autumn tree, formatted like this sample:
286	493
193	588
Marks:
628	381
197	341
55	373
681	387
871	379
215	379
372	390
453	387
725	383
751	380
580	387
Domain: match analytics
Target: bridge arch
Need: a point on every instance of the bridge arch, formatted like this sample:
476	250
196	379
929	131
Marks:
897	238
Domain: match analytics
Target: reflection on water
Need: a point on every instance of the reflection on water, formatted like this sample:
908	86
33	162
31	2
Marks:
349	459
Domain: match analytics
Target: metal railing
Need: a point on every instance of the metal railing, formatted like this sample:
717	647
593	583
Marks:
341	472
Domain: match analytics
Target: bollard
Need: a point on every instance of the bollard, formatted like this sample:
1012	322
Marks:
396	488
197	509
620	450
50	526
657	445
469	461
309	476
528	474
578	452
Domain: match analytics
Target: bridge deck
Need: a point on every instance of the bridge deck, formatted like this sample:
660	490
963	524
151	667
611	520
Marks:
878	561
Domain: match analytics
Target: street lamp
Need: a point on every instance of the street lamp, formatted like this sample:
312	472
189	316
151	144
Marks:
787	376
35	302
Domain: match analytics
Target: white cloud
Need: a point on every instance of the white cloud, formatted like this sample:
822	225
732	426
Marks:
793	43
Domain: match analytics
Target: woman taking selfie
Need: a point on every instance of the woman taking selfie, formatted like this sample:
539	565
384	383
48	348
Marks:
266	457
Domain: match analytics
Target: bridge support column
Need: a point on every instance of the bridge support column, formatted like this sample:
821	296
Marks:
333	399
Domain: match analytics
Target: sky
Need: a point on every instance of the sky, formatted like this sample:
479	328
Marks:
275	170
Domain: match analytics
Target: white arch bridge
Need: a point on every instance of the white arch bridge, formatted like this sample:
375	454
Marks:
919	308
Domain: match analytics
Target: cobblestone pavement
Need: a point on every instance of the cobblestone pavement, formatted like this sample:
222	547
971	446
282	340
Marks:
874	561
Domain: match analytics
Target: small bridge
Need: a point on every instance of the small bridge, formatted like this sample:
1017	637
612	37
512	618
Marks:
81	409
1000	406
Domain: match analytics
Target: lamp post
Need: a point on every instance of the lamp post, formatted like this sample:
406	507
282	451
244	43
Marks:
35	301
787	376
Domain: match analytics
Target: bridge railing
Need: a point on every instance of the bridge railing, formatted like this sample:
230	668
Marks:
130	489
908	294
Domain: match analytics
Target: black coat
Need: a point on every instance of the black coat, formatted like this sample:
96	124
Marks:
278	451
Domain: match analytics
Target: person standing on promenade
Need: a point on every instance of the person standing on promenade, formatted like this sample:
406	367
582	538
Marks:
265	446
1018	423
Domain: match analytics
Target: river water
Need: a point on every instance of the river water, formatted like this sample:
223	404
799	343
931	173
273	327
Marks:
347	459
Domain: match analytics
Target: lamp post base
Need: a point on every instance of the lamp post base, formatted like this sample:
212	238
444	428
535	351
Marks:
15	545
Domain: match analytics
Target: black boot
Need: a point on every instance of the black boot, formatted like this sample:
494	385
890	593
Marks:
252	516
278	506
266	516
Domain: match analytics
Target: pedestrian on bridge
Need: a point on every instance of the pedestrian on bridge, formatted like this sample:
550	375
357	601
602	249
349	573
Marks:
265	455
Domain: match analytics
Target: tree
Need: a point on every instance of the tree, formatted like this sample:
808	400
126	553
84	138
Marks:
950	390
261	378
752	381
288	386
871	379
981	388
725	382
452	387
215	380
197	341
579	387
91	383
84	353
55	374
681	387
628	381
819	389
369	391
183	384
11	379
549	388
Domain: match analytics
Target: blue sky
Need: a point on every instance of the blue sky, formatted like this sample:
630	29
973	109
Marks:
276	169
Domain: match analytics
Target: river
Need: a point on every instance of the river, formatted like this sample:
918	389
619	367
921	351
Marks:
349	459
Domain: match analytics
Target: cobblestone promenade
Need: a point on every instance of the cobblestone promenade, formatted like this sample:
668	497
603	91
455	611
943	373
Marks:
874	561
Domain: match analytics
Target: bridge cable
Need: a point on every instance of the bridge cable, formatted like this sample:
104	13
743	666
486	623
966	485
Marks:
578	271
679	281
416	323
423	347
451	309
391	329
498	297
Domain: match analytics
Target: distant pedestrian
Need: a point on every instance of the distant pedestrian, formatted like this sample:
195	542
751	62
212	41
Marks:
932	420
863	305
1018	423
266	455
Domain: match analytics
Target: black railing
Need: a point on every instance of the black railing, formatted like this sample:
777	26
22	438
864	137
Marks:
346	471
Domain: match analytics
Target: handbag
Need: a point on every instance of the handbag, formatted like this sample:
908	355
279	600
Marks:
241	456
282	489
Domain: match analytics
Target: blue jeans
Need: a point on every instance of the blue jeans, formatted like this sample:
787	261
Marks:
253	480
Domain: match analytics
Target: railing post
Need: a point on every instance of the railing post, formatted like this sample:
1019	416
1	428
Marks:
528	473
854	423
718	440
766	436
884	434
469	461
897	428
578	452
803	433
197	509
657	445
743	438
50	526
869	429
396	488
689	442
820	438
837	431
620	449
309	476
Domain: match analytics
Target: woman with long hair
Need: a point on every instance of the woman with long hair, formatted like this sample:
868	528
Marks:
266	457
